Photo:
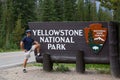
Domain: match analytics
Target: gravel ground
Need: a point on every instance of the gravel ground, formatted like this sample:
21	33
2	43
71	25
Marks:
37	73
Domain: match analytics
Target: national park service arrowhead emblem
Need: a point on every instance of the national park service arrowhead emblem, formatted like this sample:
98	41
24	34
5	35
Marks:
95	36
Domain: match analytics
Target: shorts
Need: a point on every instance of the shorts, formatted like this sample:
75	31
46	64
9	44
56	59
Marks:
27	54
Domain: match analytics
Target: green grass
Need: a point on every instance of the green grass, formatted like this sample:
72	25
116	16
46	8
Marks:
100	68
8	50
35	64
62	67
67	65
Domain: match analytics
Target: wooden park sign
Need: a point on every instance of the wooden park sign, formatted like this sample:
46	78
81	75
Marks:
63	41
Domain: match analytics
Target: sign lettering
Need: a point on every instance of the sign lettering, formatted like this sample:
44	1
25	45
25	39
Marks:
60	37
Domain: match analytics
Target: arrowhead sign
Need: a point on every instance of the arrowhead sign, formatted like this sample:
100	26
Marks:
95	36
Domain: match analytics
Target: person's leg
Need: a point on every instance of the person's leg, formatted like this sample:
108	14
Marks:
27	56
37	47
25	63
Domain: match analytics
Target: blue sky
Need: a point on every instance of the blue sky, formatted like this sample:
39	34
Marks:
97	4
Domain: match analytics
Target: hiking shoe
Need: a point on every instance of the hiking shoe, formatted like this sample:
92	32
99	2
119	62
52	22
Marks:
24	70
39	54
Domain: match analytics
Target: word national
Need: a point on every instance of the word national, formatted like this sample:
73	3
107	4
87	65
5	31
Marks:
56	40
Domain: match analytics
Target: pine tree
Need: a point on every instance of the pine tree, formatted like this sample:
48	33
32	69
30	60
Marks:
39	4
11	9
0	9
3	20
0	24
87	10
100	13
104	15
69	10
90	37
80	10
25	8
18	31
7	23
93	11
47	10
117	12
57	10
112	5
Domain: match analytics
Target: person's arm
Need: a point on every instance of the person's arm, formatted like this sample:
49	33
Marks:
35	42
22	46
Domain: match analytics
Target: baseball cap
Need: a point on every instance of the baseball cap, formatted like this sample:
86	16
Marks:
28	31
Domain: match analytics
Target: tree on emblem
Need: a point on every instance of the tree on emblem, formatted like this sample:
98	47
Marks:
90	37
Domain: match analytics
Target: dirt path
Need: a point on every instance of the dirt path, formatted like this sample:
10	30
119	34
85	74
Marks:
37	73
